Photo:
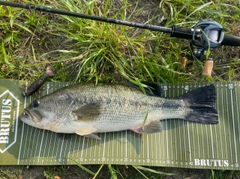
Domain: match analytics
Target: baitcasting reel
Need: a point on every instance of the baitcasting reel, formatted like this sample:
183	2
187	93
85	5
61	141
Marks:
207	35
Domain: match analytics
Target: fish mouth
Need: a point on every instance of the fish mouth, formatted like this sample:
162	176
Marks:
32	115
26	115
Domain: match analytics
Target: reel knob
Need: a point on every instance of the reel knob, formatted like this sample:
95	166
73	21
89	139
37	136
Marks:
208	66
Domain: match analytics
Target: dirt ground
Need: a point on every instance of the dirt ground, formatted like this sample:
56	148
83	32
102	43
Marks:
74	172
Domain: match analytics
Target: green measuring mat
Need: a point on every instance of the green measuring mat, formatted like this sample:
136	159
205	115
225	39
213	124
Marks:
180	144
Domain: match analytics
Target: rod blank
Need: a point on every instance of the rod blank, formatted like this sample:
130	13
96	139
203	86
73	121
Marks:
86	16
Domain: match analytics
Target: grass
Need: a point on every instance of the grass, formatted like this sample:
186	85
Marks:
83	50
30	41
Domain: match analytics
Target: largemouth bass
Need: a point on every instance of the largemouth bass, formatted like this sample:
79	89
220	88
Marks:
87	109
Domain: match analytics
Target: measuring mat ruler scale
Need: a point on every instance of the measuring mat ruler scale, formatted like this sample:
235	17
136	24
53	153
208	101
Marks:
180	143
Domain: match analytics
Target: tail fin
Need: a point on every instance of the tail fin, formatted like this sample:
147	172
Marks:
200	104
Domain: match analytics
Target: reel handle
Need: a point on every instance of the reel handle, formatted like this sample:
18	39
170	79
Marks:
208	66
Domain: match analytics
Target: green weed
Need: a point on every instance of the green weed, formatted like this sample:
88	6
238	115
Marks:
8	173
220	174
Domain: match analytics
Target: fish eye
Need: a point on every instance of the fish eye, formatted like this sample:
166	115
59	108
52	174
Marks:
35	103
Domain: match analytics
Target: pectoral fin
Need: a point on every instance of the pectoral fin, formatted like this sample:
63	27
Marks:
87	112
150	128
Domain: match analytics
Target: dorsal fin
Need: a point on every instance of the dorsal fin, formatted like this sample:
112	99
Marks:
151	89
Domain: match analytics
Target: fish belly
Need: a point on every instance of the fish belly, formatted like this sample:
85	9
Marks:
117	123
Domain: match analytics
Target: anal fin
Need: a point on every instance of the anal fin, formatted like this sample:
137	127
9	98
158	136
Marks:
150	128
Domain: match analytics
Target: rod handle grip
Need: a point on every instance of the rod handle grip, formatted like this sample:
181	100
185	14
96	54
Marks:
182	32
231	40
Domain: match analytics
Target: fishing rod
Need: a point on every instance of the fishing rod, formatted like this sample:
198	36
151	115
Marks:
211	28
205	35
